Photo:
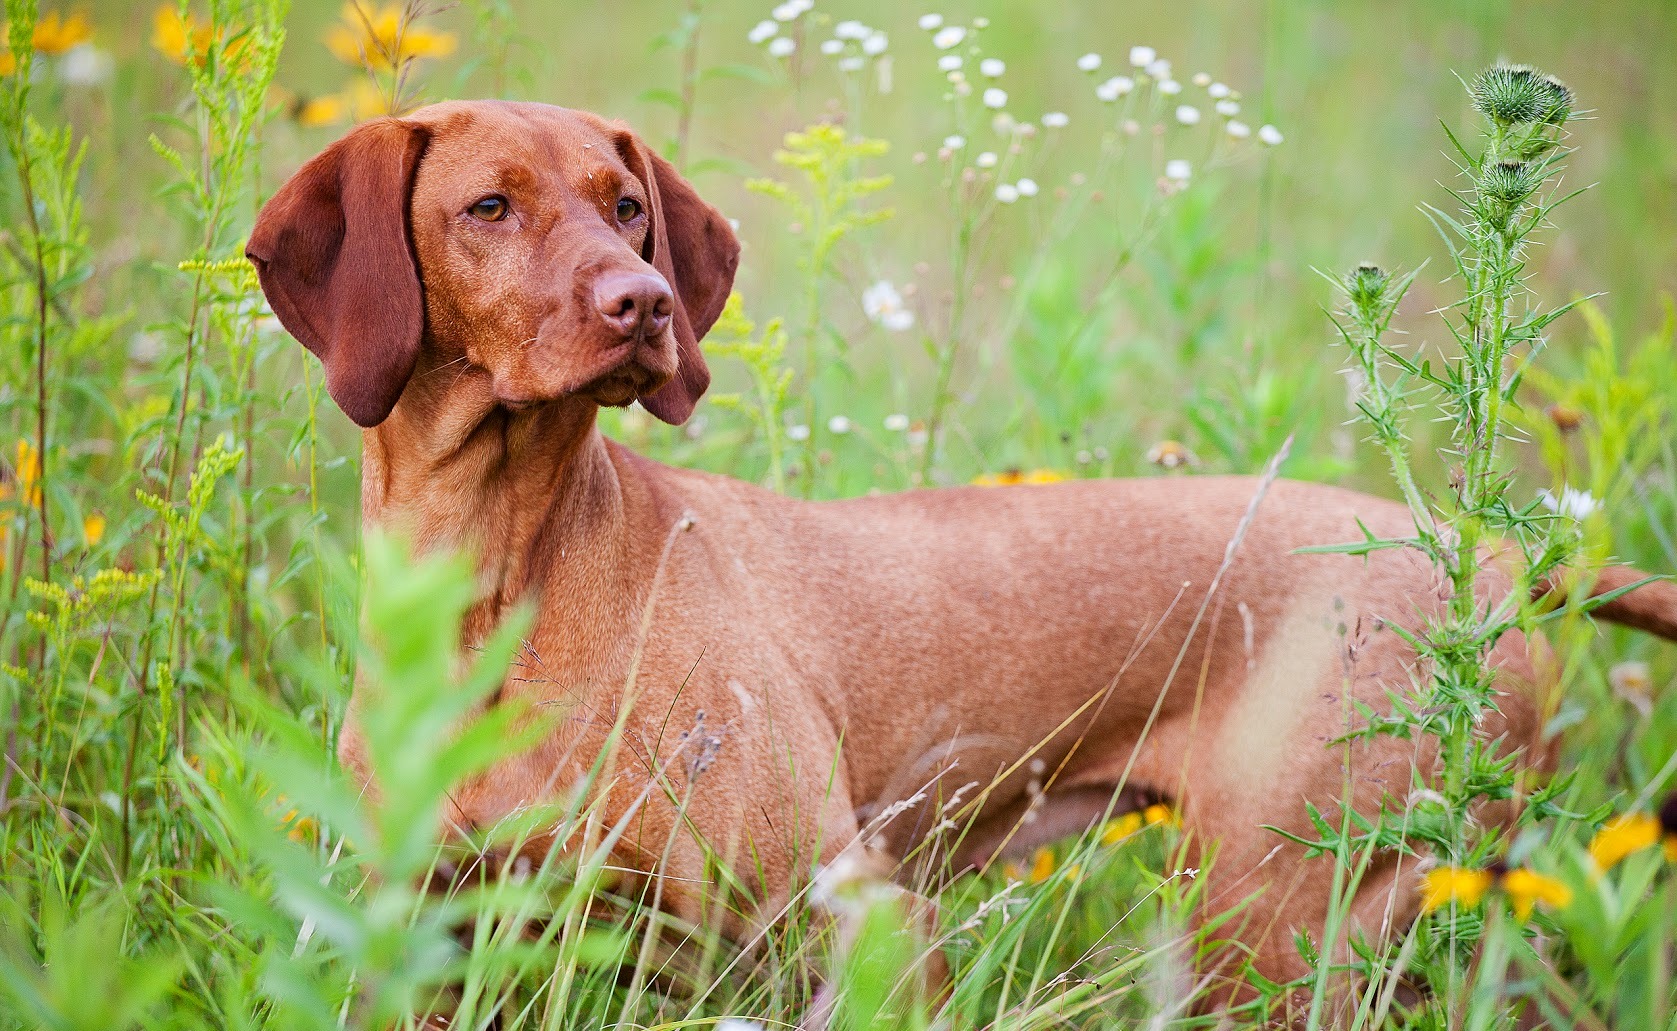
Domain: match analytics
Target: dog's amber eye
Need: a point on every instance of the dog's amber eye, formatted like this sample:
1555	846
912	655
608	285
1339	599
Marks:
490	209
627	209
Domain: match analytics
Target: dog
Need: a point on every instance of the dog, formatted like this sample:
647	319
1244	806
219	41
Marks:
479	278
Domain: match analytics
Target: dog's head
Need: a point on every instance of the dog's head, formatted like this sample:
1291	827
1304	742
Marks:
548	247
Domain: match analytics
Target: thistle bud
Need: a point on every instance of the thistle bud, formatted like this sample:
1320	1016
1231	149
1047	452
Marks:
1511	94
1557	100
1507	185
1366	285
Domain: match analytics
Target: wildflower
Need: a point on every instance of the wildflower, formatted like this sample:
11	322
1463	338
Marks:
736	1024
1228	108
1042	866
875	44
1115	87
832	47
1007	193
763	31
896	422
1026	187
28	473
1574	504
326	110
851	30
86	65
992	67
1159	69
1633	682
1510	94
1557	101
1622	836
781	46
986	160
931	22
852	64
1122	827
1141	57
1187	114
1178	170
1171	454
93	529
1270	135
839	424
1089	63
55	35
1446	885
1055	120
994	98
1157	814
1367	285
1238	129
948	62
1565	417
948	37
1170	87
884	305
1012	477
1218	90
179	39
791	9
797	431
384	40
955	142
1526	888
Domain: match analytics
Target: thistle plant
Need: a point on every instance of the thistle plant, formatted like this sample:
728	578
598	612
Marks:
1498	328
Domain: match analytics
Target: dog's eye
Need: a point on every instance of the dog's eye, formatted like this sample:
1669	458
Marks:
490	209
627	209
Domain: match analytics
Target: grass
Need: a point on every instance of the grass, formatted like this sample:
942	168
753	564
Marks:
181	563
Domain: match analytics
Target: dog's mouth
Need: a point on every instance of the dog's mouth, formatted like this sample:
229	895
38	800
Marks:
620	386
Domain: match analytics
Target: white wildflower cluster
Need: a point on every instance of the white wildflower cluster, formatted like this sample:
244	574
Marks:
767	33
884	304
1149	73
854	44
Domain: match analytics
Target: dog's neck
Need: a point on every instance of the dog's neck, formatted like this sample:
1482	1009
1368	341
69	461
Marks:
520	491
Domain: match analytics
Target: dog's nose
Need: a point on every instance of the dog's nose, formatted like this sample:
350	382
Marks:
634	303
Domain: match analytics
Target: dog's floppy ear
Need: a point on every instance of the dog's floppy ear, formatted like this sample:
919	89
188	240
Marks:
332	249
694	249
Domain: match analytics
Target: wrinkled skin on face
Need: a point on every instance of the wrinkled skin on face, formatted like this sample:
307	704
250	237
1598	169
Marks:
526	291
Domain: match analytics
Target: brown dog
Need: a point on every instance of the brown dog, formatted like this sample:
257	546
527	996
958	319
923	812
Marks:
478	278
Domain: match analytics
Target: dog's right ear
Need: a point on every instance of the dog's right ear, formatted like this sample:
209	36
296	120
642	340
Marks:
333	251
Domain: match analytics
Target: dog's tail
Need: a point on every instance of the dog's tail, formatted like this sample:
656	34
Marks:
1649	606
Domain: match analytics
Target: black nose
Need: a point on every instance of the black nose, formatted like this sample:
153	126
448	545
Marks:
634	304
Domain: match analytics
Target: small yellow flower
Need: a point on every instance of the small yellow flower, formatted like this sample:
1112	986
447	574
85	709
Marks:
1011	872
1526	888
1621	836
1042	866
28	472
384	40
8	63
1156	814
93	529
55	35
366	101
1010	477
1122	827
1450	884
327	110
179	39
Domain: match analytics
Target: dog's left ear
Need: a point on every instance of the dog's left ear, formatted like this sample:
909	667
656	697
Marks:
695	250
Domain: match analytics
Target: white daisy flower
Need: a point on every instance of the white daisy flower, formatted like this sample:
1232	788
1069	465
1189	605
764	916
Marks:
1159	69
955	142
981	22
781	46
896	422
986	159
995	98
1218	91
852	63
1026	187
1170	87
992	67
1089	63
839	424
948	62
883	304
1201	79
1178	170
831	47
787	11
949	37
850	30
763	31
86	65
875	44
797	431
1141	57
1573	503
1055	120
1007	193
1228	108
931	22
1187	114
1238	129
1270	135
1115	87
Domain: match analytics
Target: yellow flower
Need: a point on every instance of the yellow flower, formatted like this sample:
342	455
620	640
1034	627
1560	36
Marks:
384	40
93	529
327	110
1171	454
366	101
1121	828
1011	477
55	35
8	63
1011	872
1450	884
29	474
1621	836
1042	866
1668	823
1156	813
1526	888
179	39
